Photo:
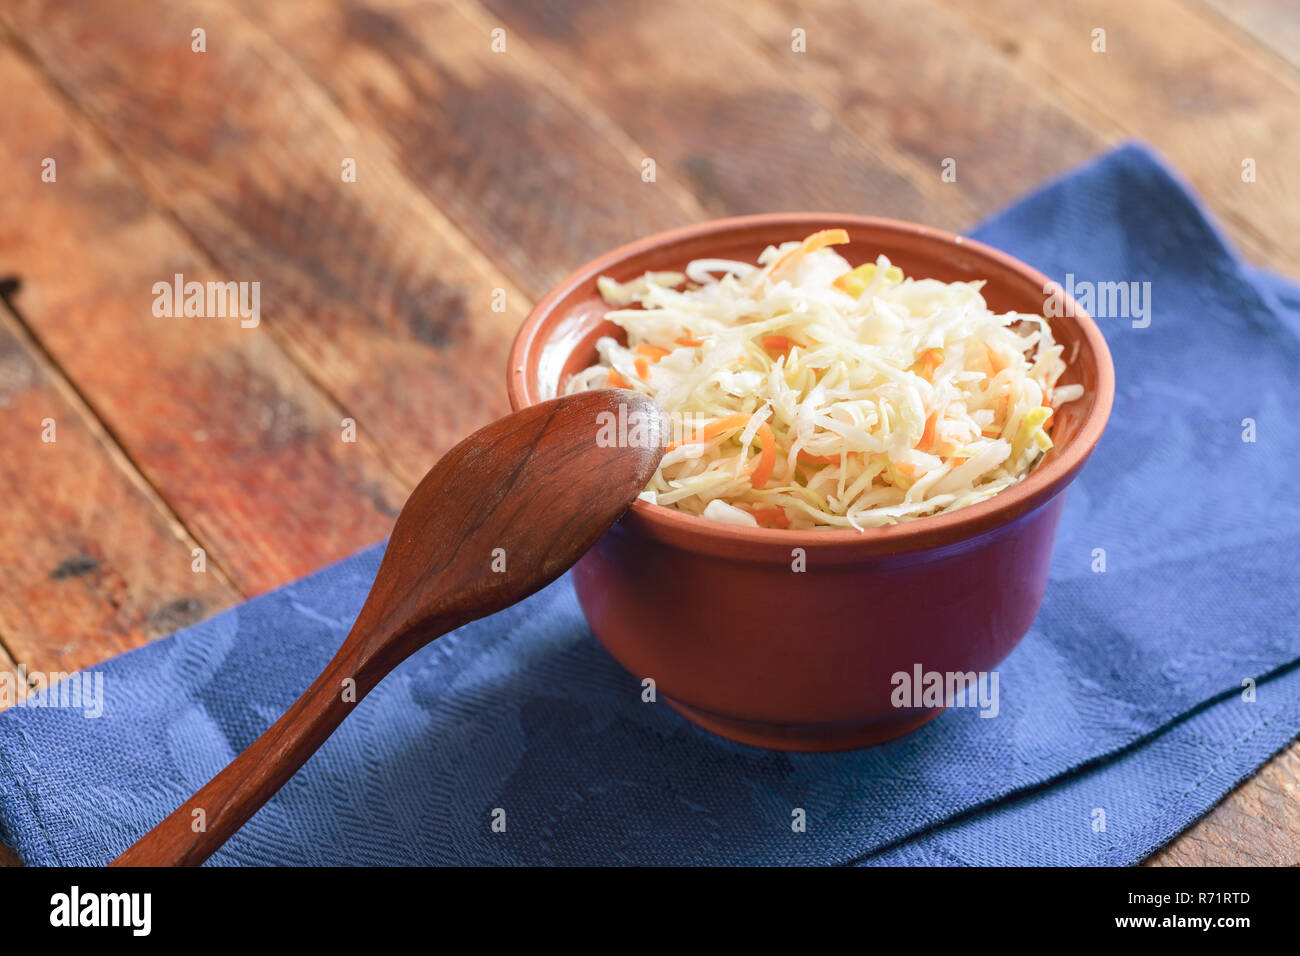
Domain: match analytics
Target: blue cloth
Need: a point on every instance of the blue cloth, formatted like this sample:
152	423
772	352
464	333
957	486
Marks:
1122	714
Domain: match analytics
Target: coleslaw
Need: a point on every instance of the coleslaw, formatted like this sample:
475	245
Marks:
808	393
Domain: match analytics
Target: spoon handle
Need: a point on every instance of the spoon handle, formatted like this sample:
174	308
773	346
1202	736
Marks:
542	481
195	829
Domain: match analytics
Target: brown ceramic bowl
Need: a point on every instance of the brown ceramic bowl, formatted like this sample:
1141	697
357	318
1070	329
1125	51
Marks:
736	639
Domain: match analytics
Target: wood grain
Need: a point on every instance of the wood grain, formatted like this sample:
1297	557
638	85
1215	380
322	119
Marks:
10	667
94	562
495	139
233	435
1170	76
1274	24
366	282
713	114
876	68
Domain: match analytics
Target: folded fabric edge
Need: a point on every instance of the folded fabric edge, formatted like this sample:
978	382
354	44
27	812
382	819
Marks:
1239	763
16	804
1173	813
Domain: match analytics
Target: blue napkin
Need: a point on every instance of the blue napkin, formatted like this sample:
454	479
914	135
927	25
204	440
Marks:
1143	693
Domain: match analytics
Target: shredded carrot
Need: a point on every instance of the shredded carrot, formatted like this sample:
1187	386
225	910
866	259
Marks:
642	368
688	342
994	362
766	458
931	359
771	517
618	381
927	436
818	240
652	352
777	343
716	427
957	461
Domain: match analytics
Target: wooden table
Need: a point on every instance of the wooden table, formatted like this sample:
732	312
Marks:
487	165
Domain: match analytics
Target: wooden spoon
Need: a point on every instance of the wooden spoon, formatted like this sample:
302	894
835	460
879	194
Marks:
504	513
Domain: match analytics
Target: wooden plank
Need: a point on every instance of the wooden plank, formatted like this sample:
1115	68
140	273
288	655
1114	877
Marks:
713	114
1258	824
94	564
876	66
373	290
9	671
244	448
1274	24
529	175
1170	76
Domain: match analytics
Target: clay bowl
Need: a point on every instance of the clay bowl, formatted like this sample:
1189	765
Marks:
736	639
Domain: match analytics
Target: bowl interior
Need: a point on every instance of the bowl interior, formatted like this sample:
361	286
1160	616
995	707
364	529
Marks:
559	337
565	340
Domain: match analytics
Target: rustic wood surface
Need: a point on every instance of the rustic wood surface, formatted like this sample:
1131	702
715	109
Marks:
481	178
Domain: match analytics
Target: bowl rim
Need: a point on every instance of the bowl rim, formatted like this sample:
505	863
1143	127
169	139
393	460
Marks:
679	528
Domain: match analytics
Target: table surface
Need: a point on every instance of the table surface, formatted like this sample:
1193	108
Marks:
487	166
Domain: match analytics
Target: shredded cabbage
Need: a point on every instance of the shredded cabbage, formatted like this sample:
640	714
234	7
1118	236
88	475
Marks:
805	393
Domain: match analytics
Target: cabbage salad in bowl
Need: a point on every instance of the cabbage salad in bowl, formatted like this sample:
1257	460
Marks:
819	395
